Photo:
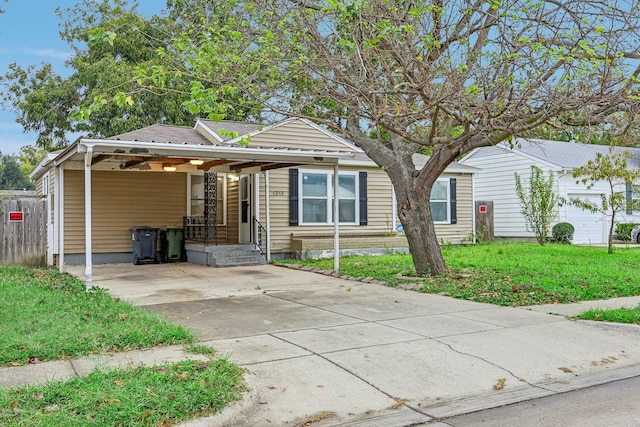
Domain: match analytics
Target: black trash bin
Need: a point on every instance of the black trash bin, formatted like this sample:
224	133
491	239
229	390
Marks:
144	241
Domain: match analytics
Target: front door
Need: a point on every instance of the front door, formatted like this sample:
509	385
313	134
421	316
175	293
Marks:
245	209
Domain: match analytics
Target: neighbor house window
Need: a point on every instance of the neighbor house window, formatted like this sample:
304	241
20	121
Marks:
633	198
316	196
440	201
197	197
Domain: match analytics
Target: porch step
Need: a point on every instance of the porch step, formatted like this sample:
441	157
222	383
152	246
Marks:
225	255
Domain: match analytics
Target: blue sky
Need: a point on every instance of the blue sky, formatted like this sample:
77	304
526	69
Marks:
29	35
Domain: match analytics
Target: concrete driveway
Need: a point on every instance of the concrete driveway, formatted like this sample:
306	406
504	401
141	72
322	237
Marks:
318	348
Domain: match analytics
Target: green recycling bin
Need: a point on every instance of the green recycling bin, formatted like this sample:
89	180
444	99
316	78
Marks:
172	244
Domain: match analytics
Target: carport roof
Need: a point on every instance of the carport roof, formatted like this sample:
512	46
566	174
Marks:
165	134
176	145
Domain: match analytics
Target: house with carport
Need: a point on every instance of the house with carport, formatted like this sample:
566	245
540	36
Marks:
233	186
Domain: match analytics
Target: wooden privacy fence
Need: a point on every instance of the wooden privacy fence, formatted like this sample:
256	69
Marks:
23	229
484	220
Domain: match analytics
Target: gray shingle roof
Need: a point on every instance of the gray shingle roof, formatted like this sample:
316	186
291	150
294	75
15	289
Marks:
419	160
567	155
165	134
242	128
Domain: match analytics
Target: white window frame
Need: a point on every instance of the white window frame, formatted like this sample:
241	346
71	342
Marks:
224	176
45	184
447	201
329	196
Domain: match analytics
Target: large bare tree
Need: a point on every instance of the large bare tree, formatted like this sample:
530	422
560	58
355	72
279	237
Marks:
399	77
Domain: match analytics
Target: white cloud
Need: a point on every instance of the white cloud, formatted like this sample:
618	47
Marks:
48	53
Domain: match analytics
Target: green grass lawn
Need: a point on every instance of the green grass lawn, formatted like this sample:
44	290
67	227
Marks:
511	274
617	315
147	396
46	315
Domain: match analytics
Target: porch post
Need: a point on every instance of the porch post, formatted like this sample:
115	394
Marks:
256	207
59	215
336	221
88	272
267	211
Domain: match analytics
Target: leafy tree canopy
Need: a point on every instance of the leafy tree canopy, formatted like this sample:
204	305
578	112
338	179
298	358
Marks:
111	42
12	177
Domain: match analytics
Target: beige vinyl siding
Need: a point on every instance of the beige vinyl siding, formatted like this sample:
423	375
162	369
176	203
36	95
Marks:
299	136
52	181
121	200
379	204
38	183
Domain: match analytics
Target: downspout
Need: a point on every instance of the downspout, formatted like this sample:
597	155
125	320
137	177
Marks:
473	208
267	211
336	220
88	271
256	208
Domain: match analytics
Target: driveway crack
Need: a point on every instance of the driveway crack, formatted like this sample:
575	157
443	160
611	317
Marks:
492	364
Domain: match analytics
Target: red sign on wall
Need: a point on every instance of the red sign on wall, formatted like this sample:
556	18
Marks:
482	208
15	217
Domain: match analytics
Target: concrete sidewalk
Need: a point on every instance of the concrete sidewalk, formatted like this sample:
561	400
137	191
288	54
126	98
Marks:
319	348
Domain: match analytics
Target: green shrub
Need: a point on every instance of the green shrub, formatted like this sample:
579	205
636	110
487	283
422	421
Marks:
562	232
623	231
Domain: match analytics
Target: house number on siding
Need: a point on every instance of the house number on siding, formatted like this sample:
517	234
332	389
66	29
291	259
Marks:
277	193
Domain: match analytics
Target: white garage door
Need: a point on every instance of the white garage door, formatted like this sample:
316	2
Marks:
589	226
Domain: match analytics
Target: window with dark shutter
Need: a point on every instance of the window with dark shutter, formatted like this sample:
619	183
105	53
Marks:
453	203
363	197
293	197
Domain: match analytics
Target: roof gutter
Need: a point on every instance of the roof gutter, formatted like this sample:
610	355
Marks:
153	149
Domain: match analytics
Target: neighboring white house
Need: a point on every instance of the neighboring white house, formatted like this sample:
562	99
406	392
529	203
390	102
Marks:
496	182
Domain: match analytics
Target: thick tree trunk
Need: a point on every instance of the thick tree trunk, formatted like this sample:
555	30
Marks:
413	188
414	212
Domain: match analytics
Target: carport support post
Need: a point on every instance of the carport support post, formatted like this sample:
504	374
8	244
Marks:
256	208
336	221
59	215
267	214
88	271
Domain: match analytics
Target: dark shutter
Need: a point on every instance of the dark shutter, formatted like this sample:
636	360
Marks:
453	204
629	199
363	197
293	197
